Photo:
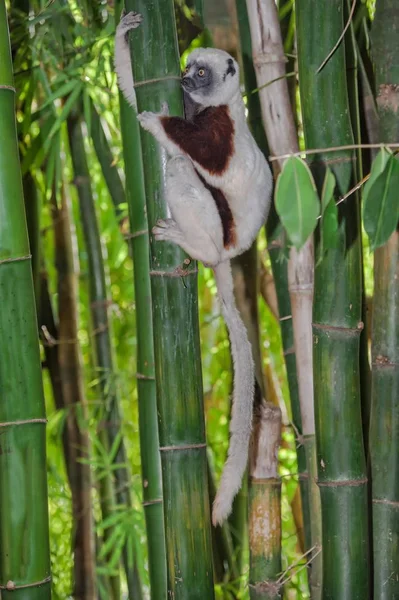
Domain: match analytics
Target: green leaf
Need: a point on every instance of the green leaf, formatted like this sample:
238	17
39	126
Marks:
297	202
329	216
381	204
64	90
328	189
66	109
377	168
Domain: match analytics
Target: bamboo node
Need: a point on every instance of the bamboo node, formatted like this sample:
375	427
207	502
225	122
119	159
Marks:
386	502
177	272
11	585
22	422
181	447
8	87
339	329
266	58
151	502
347	482
15	259
145	377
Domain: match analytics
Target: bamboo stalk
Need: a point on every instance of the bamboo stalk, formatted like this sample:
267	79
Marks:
176	335
70	370
108	417
337	310
24	548
265	507
108	166
146	387
384	430
269	62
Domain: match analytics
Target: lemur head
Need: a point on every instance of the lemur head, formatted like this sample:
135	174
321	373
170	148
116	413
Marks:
211	77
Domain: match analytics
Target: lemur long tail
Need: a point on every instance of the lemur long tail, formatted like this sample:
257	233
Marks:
123	66
241	414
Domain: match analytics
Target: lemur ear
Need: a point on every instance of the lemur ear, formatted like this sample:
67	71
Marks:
231	70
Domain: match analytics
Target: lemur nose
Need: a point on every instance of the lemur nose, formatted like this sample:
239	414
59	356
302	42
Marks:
188	83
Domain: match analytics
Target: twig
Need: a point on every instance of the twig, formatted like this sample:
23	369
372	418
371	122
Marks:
333	149
341	37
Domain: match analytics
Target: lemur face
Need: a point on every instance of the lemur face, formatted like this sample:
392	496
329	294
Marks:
211	77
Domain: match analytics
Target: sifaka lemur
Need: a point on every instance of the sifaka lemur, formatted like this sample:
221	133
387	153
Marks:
218	189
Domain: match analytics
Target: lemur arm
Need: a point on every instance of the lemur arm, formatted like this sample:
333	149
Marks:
208	139
123	64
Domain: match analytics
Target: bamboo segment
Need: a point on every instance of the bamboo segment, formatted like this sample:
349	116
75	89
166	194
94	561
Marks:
146	388
108	166
76	440
337	311
269	61
109	412
175	321
265	507
384	425
24	530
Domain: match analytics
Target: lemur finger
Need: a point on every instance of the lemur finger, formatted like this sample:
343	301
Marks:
148	120
128	22
164	109
165	223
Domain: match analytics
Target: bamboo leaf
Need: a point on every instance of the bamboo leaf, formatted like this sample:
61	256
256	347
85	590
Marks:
377	168
328	189
329	216
297	202
68	106
381	206
61	92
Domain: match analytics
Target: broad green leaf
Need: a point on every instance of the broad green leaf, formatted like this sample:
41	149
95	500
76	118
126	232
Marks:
381	205
297	202
379	164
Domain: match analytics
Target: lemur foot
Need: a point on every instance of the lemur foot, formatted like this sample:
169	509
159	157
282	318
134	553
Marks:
165	229
128	22
178	164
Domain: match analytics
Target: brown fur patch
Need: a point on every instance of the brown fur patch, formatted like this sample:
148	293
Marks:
226	216
208	138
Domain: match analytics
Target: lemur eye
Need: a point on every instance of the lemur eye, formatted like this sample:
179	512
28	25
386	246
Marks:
201	72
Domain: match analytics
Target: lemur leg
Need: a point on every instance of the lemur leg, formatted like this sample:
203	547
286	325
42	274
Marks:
196	225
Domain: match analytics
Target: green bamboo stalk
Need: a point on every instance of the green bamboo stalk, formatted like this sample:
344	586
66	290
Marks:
337	311
146	387
352	63
384	430
176	335
222	543
108	417
275	237
265	508
70	372
24	530
108	166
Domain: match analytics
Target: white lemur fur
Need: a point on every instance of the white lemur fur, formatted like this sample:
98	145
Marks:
218	188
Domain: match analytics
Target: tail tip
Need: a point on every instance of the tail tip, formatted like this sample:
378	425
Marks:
221	509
